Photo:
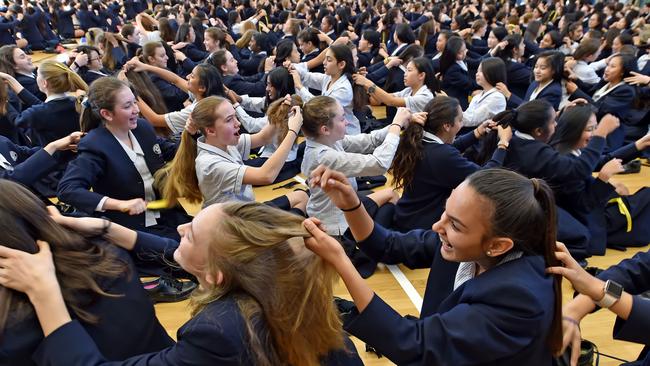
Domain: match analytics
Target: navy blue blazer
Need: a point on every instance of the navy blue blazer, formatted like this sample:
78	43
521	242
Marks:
552	94
127	324
29	83
30	163
251	65
254	85
172	95
64	24
517	78
506	310
194	53
457	83
423	202
7	27
41	128
30	30
103	165
215	336
634	275
618	102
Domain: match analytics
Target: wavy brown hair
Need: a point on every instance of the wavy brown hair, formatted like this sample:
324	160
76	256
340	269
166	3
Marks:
278	115
275	280
440	111
80	262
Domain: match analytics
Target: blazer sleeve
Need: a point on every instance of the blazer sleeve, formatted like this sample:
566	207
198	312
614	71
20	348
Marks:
79	177
414	249
633	274
459	336
635	328
28	98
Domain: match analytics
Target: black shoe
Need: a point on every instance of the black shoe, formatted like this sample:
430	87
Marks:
50	50
583	263
29	52
167	289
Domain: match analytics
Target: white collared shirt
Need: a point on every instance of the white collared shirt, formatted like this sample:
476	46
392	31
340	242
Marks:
462	65
431	138
415	102
605	90
539	89
55	97
221	173
484	106
524	136
137	157
467	270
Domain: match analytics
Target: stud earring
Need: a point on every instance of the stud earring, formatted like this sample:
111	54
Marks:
488	252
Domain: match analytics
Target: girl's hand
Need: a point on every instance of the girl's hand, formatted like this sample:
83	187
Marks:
419	118
179	56
637	79
402	117
643	143
295	119
67	143
136	65
135	206
88	226
485	127
269	63
505	134
81	59
582	281
393	62
296	78
322	244
32	274
610	168
362	80
335	185
191	127
571	87
503	89
607	125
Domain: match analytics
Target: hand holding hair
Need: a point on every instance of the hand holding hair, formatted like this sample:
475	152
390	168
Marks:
335	185
32	274
607	125
295	119
582	281
419	118
323	245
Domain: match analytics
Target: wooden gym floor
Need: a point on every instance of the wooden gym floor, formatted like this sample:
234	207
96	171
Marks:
403	288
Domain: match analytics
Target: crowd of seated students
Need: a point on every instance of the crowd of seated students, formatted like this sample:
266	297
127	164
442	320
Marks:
164	102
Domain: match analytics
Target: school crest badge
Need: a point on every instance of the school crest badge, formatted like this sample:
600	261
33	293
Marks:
14	155
156	149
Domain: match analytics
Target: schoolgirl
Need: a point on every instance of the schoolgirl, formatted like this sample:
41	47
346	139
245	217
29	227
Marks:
354	155
420	82
118	159
589	199
489	101
613	96
456	81
481	248
547	85
96	281
88	64
187	36
15	62
335	83
425	150
211	169
154	54
510	50
240	314
224	61
202	82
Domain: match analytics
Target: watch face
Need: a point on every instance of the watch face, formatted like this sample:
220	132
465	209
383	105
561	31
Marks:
614	289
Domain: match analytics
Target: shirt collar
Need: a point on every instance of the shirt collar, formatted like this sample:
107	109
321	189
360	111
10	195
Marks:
201	144
55	97
576	152
524	136
431	138
467	270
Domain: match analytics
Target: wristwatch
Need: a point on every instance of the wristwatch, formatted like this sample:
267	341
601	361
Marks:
372	89
613	292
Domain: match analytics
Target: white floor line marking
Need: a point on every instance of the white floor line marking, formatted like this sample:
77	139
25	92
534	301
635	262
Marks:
299	179
406	285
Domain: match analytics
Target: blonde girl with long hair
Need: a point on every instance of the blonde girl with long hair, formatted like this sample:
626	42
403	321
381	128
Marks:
211	168
264	298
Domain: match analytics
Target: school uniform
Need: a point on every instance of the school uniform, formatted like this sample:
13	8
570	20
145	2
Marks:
217	335
30	30
423	201
91	75
457	83
615	100
7	26
127	323
194	53
518	77
415	102
29	82
7	127
551	92
484	106
341	90
38	123
354	156
22	164
111	170
64	24
320	68
251	65
536	159
173	96
461	316
254	85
